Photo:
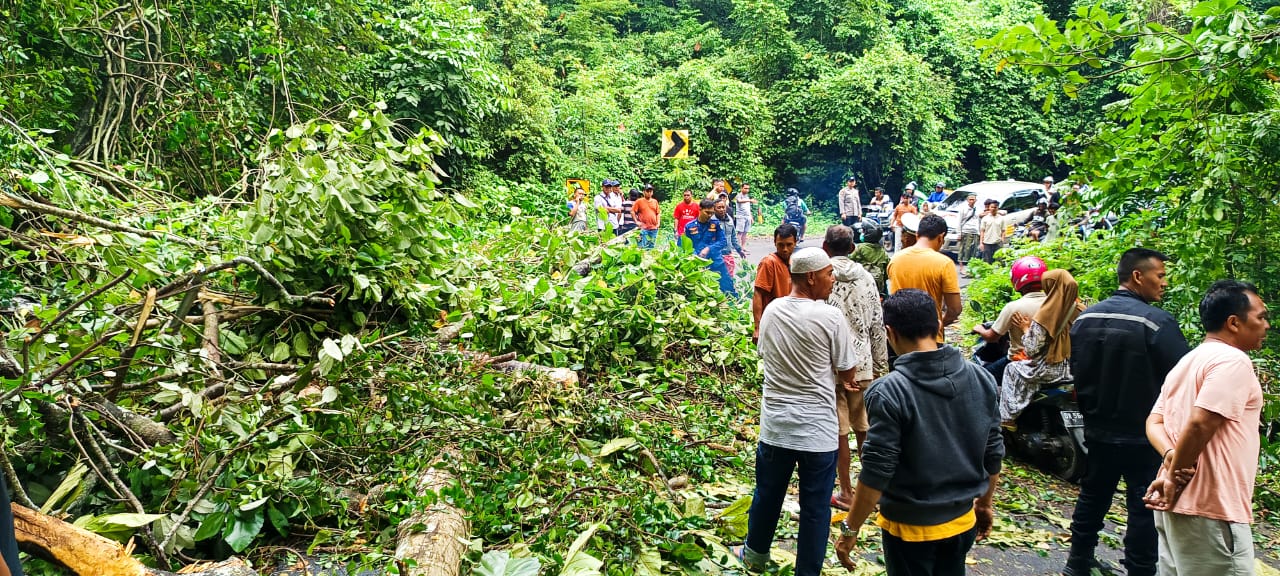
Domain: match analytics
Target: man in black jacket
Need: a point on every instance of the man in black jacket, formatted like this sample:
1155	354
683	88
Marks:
1121	350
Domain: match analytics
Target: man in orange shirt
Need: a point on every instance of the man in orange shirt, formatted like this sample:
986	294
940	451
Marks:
1205	423
773	275
923	267
905	206
685	212
647	214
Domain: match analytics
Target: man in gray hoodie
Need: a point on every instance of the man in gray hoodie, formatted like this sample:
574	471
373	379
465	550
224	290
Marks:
932	455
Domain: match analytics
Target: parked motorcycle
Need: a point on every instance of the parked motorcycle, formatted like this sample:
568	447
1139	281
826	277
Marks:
1049	432
882	217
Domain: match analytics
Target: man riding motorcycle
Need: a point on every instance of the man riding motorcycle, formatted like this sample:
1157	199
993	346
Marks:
1025	277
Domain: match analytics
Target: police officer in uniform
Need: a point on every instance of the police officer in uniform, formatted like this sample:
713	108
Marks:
707	235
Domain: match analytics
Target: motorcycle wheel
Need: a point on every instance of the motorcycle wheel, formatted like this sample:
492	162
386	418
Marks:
1068	464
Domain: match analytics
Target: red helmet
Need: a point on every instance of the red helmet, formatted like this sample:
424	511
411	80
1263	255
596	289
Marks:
1026	270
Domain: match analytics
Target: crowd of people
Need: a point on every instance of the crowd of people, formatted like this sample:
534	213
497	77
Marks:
1178	425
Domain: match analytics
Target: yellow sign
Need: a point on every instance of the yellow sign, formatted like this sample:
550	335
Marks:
675	144
572	183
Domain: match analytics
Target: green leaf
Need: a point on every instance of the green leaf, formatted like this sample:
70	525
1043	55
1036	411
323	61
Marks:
278	520
69	486
210	526
280	352
579	563
500	563
240	533
464	201
127	520
649	563
616	444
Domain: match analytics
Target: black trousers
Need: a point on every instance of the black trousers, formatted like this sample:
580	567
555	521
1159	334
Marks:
1107	463
934	558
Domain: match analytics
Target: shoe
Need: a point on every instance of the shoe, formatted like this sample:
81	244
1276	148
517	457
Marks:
740	552
1074	568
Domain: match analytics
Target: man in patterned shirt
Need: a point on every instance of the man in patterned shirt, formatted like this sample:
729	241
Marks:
855	294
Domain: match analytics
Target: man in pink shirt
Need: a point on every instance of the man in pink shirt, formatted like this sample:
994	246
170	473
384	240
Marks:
1205	423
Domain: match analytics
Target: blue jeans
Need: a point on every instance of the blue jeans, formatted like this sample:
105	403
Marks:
774	466
726	282
648	239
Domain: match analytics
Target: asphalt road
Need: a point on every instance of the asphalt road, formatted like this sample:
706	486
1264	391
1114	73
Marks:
1032	532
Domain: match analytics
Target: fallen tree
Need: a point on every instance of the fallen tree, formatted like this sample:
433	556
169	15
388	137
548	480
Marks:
88	554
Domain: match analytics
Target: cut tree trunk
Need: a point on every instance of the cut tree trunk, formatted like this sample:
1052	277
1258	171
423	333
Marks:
434	538
88	554
584	266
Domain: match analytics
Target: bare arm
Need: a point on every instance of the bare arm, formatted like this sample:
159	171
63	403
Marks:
987	334
1179	465
1201	428
865	499
953	306
848	380
757	310
982	507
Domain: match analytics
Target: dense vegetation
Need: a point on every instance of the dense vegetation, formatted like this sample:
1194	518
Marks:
231	230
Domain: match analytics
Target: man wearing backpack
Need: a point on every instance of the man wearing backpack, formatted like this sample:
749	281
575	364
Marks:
795	211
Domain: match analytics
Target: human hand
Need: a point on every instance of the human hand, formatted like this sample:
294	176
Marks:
1181	476
1162	493
986	517
844	547
1022	321
704	252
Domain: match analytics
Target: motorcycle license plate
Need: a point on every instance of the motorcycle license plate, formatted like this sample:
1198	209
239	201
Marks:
1072	419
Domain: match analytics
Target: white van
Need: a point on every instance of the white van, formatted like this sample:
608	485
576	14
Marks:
1016	198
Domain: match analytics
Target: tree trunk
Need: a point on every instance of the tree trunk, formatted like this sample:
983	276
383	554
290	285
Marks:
88	554
584	266
438	546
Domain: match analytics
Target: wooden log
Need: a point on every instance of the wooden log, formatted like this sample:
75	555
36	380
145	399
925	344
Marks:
565	377
434	538
584	266
88	554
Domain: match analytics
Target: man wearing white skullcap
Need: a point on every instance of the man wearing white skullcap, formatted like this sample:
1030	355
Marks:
806	350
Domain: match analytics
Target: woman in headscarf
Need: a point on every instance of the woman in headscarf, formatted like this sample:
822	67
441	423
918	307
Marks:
1046	342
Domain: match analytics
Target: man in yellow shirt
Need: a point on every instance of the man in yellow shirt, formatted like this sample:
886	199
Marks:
932	456
923	267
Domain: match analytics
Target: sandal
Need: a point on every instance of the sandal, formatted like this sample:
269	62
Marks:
835	503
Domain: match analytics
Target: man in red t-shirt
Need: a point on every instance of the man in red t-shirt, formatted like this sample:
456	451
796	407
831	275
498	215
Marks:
773	275
686	212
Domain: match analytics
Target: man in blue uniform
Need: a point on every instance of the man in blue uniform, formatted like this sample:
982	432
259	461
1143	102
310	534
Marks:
707	235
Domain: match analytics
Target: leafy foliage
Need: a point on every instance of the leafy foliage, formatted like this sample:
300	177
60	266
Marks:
352	205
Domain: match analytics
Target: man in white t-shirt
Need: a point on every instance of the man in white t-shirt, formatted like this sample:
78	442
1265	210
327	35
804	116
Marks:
609	201
806	351
969	219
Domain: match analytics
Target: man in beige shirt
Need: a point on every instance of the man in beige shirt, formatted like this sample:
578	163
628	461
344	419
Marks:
1025	277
